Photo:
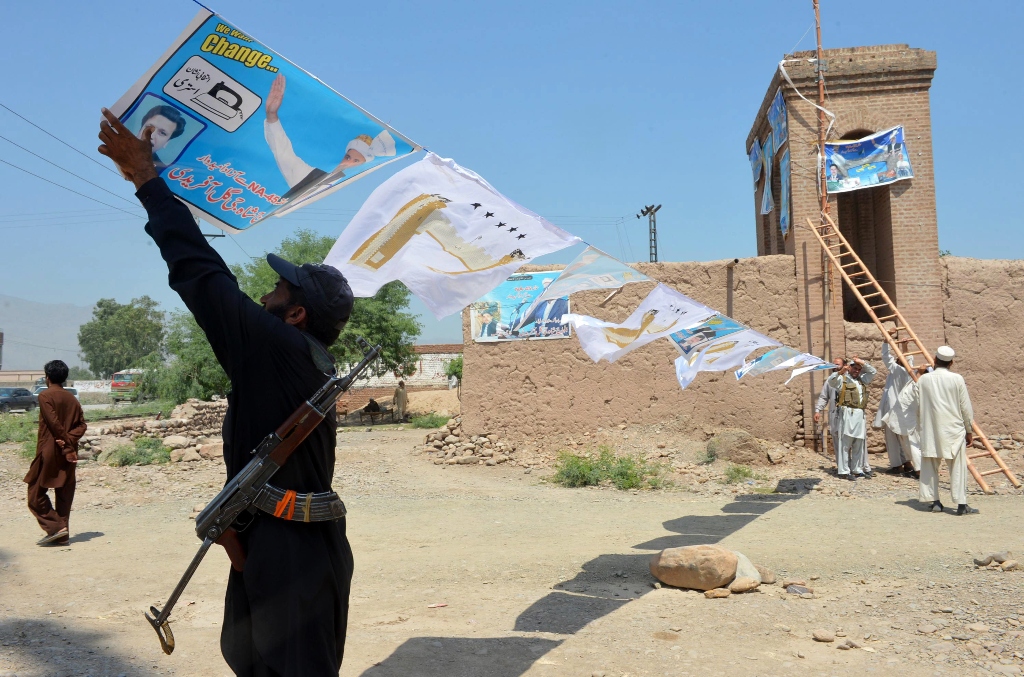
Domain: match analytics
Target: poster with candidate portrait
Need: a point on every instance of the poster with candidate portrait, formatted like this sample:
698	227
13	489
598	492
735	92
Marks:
240	133
875	160
768	153
507	313
691	340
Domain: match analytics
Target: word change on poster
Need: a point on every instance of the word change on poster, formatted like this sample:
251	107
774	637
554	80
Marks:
240	133
508	314
872	161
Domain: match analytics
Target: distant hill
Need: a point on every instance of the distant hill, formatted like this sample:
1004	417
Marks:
35	333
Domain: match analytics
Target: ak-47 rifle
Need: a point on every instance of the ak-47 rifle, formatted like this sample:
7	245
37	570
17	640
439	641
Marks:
239	494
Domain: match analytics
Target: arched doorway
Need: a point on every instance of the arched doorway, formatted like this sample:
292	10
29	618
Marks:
865	219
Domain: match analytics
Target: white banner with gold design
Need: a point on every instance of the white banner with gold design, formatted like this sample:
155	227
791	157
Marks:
663	311
719	352
443	231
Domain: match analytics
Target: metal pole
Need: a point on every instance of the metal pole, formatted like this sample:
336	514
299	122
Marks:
653	224
826	268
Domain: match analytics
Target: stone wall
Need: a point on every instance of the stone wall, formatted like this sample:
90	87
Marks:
546	390
983	310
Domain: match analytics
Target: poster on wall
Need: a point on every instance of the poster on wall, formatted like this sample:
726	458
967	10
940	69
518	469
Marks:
778	120
755	161
784	193
506	313
767	203
240	133
875	160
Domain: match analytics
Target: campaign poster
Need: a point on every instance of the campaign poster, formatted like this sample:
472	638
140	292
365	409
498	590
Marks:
875	160
240	133
755	161
784	193
767	203
691	340
506	313
778	120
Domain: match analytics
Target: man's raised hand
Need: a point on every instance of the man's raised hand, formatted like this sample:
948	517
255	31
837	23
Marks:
132	155
275	98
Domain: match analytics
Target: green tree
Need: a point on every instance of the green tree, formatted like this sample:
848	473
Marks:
191	371
77	373
381	318
118	335
454	368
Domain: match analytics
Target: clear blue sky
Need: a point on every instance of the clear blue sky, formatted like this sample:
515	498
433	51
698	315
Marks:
581	111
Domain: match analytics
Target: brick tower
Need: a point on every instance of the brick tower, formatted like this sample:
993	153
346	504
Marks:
893	227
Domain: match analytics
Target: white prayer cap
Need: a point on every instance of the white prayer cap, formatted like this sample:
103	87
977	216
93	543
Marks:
945	353
382	146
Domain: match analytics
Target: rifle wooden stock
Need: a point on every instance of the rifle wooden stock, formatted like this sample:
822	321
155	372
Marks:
294	431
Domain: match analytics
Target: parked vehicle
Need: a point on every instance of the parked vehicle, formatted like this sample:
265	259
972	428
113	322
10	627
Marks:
73	391
124	383
17	398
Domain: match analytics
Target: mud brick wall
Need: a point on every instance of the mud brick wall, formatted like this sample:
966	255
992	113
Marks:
537	390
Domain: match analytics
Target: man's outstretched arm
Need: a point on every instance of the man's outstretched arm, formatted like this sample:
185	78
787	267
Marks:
195	270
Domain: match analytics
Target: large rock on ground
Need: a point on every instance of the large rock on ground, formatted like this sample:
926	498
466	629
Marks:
212	450
746	569
698	567
737	446
175	442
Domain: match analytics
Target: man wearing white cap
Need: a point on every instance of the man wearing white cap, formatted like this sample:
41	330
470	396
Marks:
297	173
944	414
902	440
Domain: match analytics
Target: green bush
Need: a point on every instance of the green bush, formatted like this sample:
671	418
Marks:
145	451
740	473
431	420
28	450
623	472
454	368
19	427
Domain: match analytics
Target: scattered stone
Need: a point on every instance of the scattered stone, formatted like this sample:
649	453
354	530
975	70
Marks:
776	456
824	636
1000	557
745	568
978	627
717	593
736	446
799	590
786	582
767	575
211	450
191	455
176	455
1008	565
699	567
926	629
176	442
743	584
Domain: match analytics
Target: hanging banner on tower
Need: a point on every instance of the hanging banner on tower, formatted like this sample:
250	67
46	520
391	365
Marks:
756	161
767	203
784	192
778	121
240	133
875	160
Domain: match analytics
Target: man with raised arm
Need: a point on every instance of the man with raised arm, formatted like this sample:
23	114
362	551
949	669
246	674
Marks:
286	607
851	386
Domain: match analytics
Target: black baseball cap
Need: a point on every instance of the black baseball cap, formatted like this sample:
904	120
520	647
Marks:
325	288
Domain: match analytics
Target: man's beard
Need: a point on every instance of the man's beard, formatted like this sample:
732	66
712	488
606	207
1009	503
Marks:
278	311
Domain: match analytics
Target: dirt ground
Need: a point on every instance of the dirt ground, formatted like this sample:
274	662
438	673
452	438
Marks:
474	570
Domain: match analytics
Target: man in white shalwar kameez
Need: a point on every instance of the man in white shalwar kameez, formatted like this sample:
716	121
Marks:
900	424
827	399
850	384
945	418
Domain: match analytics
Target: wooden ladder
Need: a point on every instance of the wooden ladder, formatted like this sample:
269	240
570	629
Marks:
874	299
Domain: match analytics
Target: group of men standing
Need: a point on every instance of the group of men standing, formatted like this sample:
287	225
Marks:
926	421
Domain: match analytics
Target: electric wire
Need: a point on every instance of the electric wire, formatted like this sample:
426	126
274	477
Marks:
36	345
70	190
87	157
63	169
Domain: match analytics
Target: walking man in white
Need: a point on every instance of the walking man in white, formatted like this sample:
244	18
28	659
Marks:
945	417
902	440
850	383
827	398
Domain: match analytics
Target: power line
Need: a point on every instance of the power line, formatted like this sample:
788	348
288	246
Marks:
36	345
95	185
70	190
87	157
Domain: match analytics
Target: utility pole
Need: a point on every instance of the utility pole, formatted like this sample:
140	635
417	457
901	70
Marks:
820	66
650	211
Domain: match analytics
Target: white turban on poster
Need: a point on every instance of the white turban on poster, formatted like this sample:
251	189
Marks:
663	311
443	231
720	354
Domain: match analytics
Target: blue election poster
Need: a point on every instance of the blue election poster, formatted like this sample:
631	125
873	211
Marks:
505	314
872	161
778	120
240	133
701	335
784	193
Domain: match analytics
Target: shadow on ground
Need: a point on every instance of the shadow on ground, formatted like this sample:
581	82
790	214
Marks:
85	536
603	585
35	648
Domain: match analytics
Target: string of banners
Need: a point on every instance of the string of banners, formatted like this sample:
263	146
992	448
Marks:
242	134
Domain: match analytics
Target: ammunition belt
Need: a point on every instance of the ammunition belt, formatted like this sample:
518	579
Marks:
290	505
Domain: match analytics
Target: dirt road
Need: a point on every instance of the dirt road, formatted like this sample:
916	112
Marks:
536	579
